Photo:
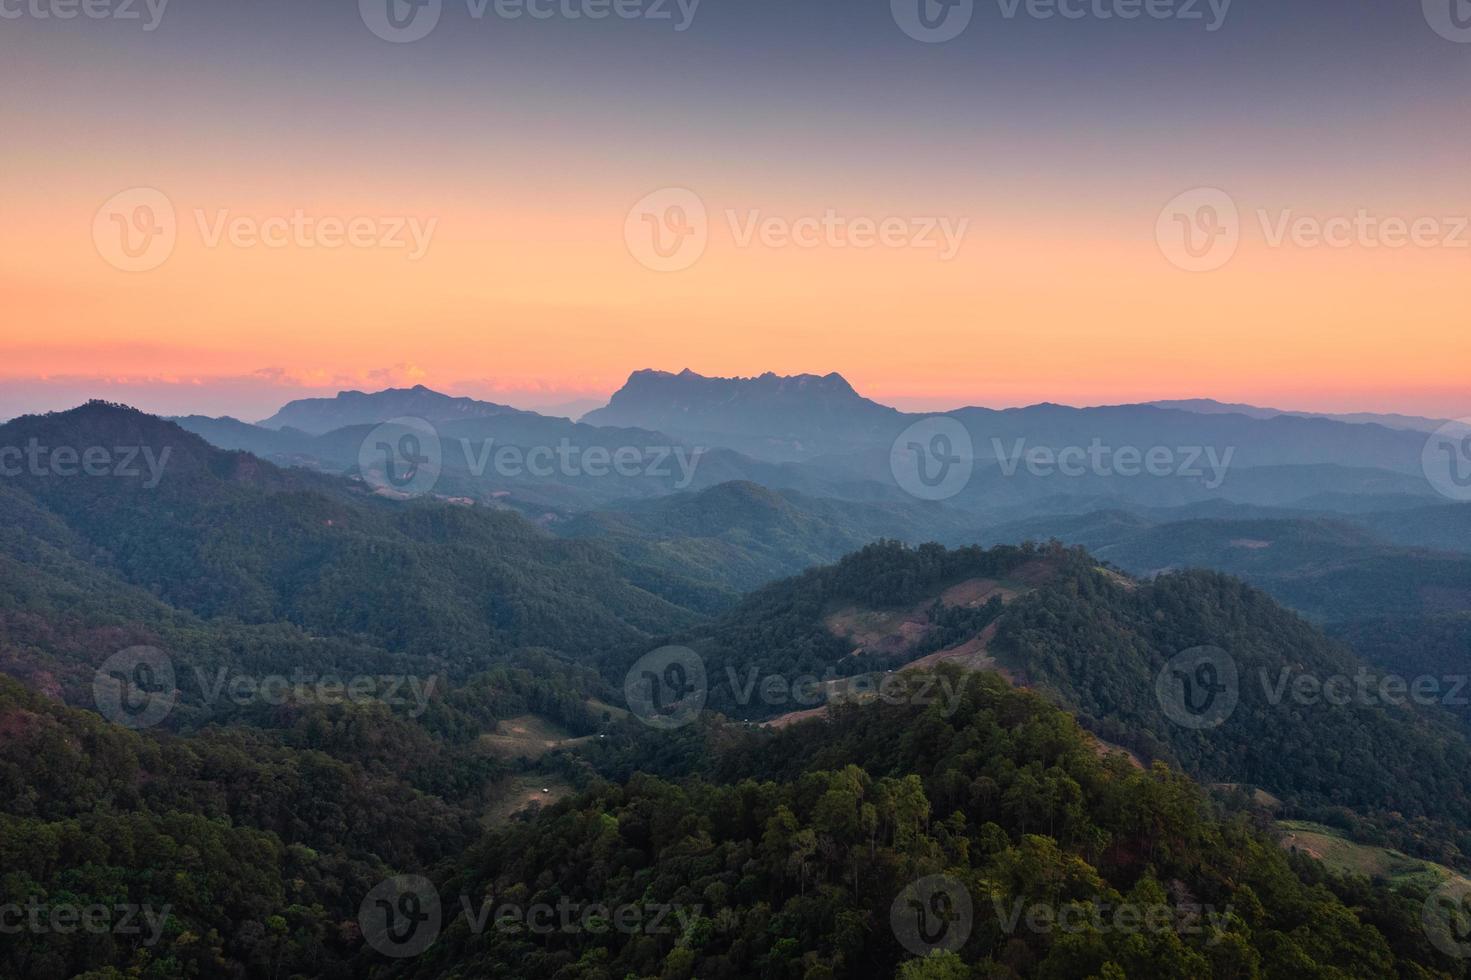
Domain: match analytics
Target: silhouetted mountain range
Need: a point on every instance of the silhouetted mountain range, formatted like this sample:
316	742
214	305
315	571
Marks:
817	435
346	408
1209	406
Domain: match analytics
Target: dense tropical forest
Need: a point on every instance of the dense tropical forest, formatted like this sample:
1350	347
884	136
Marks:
784	852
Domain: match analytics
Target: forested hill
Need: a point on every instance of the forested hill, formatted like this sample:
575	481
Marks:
818	851
227	537
248	846
1097	643
788	854
1383	768
738	536
814	625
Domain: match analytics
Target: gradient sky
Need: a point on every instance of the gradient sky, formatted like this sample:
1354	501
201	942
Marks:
528	141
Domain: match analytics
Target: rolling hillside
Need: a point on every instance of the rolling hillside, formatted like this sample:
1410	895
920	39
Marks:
1097	642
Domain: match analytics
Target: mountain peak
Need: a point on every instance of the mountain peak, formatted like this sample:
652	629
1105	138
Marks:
98	413
771	416
768	381
120	440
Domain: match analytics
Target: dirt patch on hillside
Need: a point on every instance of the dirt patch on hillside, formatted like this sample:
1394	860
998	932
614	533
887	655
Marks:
972	654
884	633
976	592
1257	795
528	737
792	717
1305	844
1119	579
894	633
1106	749
522	794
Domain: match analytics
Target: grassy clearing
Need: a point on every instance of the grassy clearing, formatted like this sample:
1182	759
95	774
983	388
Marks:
522	793
602	707
528	737
1341	854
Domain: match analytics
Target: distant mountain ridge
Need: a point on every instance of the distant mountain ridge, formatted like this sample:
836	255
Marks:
1330	569
1390	420
799	418
739	535
817	434
321	415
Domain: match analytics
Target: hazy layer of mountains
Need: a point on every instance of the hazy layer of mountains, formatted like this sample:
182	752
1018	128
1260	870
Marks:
320	415
763	477
523	770
1333	515
806	416
816	435
1401	563
1209	406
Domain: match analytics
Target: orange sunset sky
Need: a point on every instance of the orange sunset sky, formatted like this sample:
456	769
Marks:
528	291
